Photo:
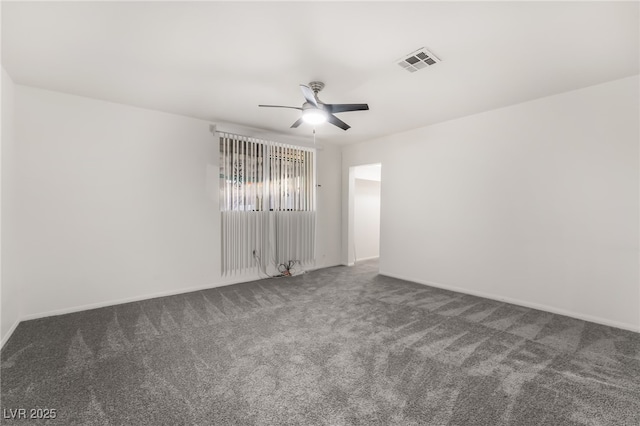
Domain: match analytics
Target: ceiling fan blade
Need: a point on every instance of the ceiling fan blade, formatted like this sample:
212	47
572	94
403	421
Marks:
297	123
309	95
335	108
280	106
337	122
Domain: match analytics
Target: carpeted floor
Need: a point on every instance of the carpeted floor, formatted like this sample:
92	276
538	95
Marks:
338	346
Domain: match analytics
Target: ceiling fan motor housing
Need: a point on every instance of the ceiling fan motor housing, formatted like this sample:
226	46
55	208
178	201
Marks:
308	105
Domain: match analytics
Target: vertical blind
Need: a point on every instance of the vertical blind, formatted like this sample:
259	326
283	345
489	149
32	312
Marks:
267	203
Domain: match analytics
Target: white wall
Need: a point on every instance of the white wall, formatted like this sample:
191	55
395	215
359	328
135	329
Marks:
120	203
366	223
536	203
10	296
329	198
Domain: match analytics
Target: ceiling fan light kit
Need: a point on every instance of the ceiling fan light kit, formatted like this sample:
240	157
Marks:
316	112
314	116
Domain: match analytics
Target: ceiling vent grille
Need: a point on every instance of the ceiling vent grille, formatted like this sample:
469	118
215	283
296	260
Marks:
417	60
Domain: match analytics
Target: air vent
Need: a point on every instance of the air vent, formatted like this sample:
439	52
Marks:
417	60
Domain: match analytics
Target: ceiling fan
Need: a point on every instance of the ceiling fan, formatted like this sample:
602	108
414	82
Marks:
315	111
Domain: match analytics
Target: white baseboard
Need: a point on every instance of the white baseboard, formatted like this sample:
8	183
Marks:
135	298
243	279
315	268
519	302
69	310
6	337
367	258
115	302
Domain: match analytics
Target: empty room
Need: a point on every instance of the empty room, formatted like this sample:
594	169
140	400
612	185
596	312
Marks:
320	213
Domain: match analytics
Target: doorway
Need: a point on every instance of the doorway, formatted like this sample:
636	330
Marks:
364	211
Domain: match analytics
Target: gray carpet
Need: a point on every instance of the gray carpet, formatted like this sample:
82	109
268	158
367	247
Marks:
338	346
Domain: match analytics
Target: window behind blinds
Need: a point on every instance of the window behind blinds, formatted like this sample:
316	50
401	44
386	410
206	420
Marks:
258	175
267	199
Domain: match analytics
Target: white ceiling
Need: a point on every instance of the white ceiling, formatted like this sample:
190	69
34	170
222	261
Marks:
218	61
